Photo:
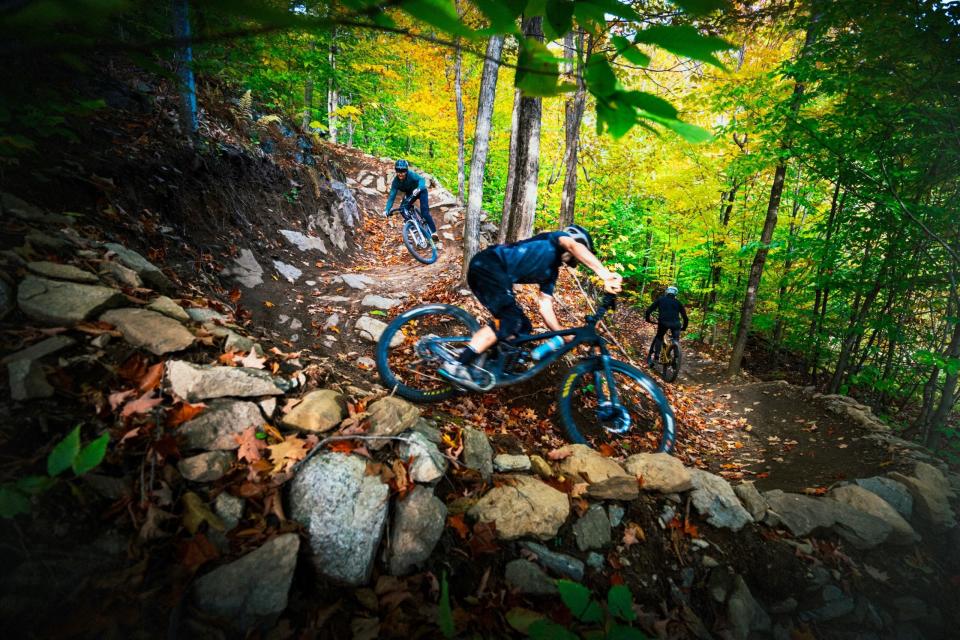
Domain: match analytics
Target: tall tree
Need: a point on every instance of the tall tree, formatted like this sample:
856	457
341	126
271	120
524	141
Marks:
511	168
333	99
458	93
188	87
573	115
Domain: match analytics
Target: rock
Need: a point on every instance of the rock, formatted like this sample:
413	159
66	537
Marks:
859	498
418	522
615	512
559	563
893	492
505	463
659	472
204	315
596	561
356	280
121	275
930	496
615	488
288	271
371	329
523	576
319	411
427	429
148	271
229	509
41	349
49	242
830	609
344	512
428	464
27	380
541	467
304	242
6	299
451	217
295	325
366	362
589	464
218	426
449	237
56	271
804	514
153	331
64	303
388	417
332	321
246	270
745	613
477	452
379	302
381	184
169	308
713	498
527	507
592	530
206	467
252	589
234	341
198	382
752	500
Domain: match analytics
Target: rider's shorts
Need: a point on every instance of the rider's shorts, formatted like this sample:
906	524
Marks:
489	281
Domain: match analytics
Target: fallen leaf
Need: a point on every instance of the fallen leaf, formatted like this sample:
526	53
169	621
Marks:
151	379
250	445
268	304
183	412
560	454
252	361
287	453
143	404
484	539
196	512
196	552
606	450
152	527
117	398
459	525
632	534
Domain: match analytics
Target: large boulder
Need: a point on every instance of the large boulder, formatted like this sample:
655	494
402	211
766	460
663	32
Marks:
319	411
153	331
589	464
714	499
659	472
525	507
418	522
147	271
894	493
745	613
803	515
169	308
477	452
198	382
245	269
859	498
254	588
64	303
219	425
388	417
56	271
344	512
931	492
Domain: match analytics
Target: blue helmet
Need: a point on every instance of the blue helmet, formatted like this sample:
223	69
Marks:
402	165
672	291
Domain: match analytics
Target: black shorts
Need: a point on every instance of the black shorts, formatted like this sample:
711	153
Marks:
488	280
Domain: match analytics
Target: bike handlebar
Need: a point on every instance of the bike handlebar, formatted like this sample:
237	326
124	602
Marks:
608	303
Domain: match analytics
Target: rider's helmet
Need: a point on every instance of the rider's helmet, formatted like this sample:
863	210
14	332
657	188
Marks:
581	235
672	291
402	165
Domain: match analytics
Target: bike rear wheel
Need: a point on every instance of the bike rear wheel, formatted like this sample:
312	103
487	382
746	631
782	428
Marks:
411	366
672	361
641	398
419	241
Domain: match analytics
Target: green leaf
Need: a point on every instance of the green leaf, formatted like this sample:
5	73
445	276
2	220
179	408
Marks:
34	485
620	603
378	312
650	103
62	456
91	455
12	501
538	70
548	630
687	131
521	619
617	117
502	15
626	49
437	13
601	80
700	7
685	41
445	615
620	632
559	18
615	8
579	602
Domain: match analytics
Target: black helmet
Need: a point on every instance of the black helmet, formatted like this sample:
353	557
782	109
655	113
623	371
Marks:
581	235
402	165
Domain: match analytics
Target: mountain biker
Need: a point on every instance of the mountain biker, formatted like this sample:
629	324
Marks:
492	274
413	185
669	314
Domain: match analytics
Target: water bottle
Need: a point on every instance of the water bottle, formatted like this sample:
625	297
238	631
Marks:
542	350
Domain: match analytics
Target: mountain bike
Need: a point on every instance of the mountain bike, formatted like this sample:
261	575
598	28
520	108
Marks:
670	360
415	232
598	398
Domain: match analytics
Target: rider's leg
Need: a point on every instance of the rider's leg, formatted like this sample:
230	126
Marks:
425	211
658	341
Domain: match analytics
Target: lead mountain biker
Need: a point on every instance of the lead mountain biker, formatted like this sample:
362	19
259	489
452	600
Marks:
413	185
669	314
492	274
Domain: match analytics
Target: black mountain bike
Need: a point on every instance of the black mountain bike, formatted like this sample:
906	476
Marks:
599	395
670	360
415	232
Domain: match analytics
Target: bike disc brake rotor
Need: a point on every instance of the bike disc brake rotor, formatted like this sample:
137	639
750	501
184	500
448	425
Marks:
432	348
615	417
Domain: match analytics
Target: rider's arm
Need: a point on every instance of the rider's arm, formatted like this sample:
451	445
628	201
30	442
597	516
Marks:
650	310
549	315
421	183
612	281
683	314
392	196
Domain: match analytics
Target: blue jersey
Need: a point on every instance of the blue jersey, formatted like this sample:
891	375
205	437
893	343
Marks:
535	260
407	185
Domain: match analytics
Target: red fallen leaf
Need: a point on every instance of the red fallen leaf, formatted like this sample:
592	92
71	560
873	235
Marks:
484	539
117	398
166	447
457	523
343	446
196	552
616	579
151	379
606	450
133	368
143	404
691	530
250	490
234	295
815	491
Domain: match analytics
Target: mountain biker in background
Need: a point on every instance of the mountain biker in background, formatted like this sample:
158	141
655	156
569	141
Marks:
413	185
492	274
670	311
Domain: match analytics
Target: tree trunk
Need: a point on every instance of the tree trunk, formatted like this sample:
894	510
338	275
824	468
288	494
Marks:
458	92
187	83
524	201
948	393
846	348
573	115
481	145
787	264
511	169
333	99
926	408
307	102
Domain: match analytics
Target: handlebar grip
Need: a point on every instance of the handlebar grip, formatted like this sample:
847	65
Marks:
610	300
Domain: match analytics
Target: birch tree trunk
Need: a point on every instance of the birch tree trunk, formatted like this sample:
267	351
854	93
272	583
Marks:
573	115
511	169
333	99
481	145
458	92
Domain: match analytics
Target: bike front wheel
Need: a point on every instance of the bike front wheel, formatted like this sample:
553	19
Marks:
428	336
419	241
585	411
672	361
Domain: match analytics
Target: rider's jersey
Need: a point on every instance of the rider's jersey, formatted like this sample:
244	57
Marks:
407	185
535	260
670	311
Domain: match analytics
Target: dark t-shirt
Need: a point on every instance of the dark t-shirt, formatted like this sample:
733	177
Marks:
670	311
535	260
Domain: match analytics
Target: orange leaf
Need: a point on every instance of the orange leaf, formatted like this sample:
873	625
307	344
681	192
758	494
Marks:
459	525
268	304
606	450
343	446
151	379
235	295
183	412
